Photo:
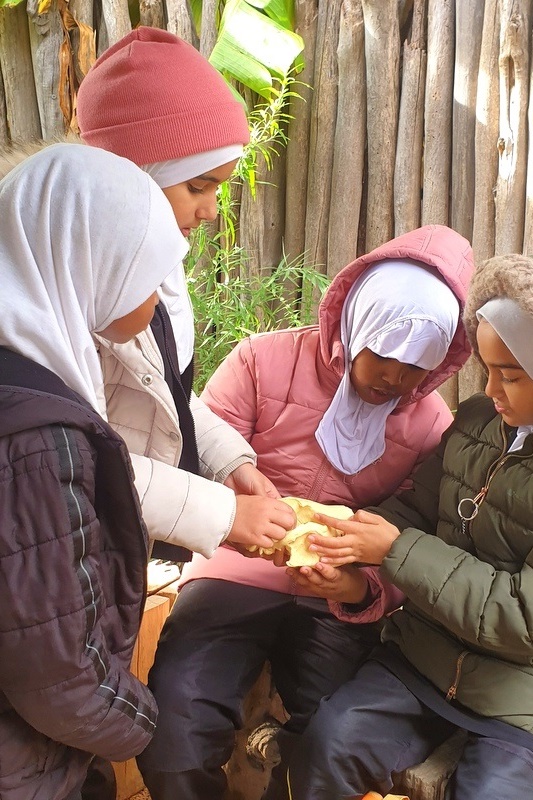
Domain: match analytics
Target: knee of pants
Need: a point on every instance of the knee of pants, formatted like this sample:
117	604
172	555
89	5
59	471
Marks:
202	739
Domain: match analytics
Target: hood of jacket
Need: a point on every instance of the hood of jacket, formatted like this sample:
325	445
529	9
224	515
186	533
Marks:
501	276
436	246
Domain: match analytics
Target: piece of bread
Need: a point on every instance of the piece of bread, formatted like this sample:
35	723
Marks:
295	541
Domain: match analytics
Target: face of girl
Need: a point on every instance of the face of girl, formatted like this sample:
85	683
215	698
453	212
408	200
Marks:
125	328
508	385
195	200
377	379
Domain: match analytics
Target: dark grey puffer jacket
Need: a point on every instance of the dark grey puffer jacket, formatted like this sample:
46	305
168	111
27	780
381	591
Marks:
73	552
468	622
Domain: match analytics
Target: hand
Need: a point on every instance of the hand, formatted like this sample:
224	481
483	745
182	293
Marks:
367	539
247	479
260	521
347	585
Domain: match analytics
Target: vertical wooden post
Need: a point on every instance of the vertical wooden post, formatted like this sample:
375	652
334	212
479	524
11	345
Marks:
407	171
487	128
438	113
468	30
17	71
514	89
297	165
179	19
322	129
349	144
382	52
46	36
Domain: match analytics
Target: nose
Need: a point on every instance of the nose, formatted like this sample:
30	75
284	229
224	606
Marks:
208	209
493	386
393	377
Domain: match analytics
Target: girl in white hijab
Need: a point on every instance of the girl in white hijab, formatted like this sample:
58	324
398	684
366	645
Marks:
398	310
85	238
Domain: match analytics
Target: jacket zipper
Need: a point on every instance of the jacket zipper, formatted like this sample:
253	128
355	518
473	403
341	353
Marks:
476	502
452	691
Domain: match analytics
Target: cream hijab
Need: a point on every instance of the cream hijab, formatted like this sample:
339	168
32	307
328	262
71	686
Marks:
85	238
173	291
397	309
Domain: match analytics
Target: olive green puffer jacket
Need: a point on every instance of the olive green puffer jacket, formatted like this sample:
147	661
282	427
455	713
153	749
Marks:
468	622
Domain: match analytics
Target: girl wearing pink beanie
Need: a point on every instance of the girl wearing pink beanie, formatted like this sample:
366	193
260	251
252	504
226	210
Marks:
154	99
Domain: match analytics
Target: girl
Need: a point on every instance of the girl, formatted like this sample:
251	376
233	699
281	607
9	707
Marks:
154	99
338	413
459	654
73	549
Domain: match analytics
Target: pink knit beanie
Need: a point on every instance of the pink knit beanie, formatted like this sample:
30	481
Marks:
153	97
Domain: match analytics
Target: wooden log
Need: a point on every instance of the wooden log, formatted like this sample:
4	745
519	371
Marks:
428	781
382	53
469	30
152	13
438	112
297	159
129	780
349	144
487	128
527	246
407	172
469	26
46	37
179	19
82	37
22	111
116	16
248	778
208	32
512	144
262	216
4	132
322	131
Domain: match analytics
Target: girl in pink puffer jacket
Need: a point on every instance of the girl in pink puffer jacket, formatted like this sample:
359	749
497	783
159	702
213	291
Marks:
340	412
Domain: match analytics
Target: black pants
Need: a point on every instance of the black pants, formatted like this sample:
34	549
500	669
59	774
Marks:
374	727
211	651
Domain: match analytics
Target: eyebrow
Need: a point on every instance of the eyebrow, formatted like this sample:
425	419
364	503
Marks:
206	178
503	365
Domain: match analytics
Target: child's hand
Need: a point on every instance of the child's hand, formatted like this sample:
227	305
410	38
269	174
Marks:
347	585
247	479
260	521
367	539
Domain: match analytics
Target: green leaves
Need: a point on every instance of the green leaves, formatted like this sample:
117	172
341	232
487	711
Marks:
254	47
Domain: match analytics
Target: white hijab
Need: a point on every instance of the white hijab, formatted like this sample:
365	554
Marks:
85	238
514	326
397	309
173	291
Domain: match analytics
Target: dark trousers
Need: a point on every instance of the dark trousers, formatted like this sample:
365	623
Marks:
374	727
211	651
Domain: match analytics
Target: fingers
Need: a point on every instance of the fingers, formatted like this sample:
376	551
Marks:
343	525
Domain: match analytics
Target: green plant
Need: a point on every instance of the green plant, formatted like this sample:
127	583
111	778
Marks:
227	307
228	303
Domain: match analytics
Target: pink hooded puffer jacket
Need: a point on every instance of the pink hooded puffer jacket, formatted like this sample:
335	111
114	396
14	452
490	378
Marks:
275	387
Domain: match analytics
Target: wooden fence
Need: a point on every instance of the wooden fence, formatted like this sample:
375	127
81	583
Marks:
411	112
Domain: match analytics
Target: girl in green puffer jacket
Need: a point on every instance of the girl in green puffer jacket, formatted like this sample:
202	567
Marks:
459	654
